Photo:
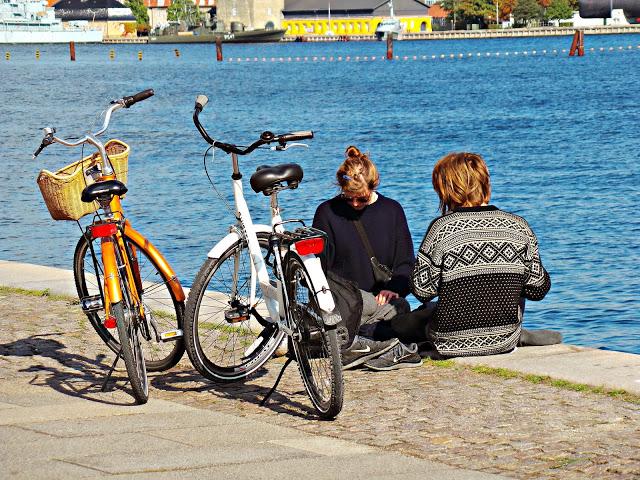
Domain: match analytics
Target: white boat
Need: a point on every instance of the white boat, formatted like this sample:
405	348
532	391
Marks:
32	21
389	26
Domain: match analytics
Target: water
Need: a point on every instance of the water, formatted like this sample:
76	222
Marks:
559	135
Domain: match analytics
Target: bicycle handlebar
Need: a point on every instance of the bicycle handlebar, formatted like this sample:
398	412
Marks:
138	97
124	102
265	137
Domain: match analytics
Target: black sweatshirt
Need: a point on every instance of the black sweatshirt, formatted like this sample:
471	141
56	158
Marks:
388	232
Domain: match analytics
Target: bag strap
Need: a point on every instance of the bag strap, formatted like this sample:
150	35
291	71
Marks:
364	237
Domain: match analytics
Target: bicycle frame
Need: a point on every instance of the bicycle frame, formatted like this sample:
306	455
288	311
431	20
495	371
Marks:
126	259
275	296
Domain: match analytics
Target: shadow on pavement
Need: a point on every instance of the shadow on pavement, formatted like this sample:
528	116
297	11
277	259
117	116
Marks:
240	390
72	374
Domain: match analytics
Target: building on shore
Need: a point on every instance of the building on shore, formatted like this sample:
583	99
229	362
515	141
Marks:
251	14
157	10
352	17
112	17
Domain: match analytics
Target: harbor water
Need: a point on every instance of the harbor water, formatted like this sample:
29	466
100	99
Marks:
560	136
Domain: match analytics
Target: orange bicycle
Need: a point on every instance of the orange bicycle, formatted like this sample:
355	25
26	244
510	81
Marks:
123	281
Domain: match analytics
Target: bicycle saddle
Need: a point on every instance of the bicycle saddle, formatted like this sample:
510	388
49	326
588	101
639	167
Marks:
103	189
266	178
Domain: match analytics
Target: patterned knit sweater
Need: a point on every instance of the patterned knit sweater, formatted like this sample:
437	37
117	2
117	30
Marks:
479	262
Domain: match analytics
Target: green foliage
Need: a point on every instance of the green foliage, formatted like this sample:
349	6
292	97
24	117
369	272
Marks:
469	11
139	11
559	10
526	11
184	10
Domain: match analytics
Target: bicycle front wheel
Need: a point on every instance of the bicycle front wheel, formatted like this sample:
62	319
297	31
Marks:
166	313
225	338
315	345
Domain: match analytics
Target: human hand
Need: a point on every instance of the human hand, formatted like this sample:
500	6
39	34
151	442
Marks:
385	296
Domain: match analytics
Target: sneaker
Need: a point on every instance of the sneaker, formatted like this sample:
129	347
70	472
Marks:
363	349
401	356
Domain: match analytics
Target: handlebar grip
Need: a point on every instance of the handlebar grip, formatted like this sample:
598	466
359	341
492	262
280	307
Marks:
293	136
40	148
201	101
138	97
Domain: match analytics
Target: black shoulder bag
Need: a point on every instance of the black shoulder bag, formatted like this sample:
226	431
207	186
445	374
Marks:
381	273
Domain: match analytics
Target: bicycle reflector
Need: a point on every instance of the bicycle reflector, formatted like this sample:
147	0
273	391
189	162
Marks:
310	246
103	230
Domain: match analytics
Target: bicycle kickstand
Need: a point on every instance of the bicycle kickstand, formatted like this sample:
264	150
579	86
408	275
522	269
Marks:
275	385
113	367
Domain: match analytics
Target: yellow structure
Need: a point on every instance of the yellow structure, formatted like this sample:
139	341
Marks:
351	25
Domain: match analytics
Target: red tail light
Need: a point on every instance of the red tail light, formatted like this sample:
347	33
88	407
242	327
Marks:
310	246
103	230
110	322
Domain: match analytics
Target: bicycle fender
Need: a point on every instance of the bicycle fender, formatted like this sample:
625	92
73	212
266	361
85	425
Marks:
153	252
222	246
321	286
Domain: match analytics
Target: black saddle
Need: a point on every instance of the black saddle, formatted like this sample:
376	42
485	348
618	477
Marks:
266	178
108	188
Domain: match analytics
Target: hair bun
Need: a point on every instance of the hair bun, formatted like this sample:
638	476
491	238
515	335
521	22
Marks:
352	151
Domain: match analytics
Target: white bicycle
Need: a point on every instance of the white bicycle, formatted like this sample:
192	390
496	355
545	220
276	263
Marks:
262	282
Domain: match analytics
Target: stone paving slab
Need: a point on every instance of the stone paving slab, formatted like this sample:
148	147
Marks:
614	370
37	277
452	419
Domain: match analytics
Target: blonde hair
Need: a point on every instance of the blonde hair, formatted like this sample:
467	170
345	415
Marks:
461	180
357	173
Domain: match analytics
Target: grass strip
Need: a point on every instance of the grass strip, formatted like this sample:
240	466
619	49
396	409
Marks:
538	379
37	293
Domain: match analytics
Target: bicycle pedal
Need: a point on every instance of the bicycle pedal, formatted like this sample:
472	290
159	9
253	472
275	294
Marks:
236	315
91	303
171	335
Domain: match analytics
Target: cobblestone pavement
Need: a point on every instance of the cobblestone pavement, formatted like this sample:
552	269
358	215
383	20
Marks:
449	415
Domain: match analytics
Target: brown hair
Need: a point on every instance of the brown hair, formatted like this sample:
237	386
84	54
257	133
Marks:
461	180
357	173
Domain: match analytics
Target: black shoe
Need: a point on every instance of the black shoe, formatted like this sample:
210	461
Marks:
363	349
401	356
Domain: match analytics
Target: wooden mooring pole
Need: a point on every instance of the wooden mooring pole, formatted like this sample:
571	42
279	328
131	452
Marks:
72	51
219	49
389	46
577	45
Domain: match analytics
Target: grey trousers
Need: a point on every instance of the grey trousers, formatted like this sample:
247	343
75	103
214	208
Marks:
372	313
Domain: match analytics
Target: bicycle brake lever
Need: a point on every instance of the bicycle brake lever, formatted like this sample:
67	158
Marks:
282	148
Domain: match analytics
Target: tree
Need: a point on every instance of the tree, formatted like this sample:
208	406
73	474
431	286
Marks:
139	11
184	10
469	11
527	10
559	10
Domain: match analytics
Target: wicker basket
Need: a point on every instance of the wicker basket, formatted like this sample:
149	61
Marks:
62	190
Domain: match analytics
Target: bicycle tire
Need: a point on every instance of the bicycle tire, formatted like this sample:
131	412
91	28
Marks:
315	345
132	353
169	316
218	348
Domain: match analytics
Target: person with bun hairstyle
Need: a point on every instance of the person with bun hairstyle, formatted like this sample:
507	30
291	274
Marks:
481	262
361	223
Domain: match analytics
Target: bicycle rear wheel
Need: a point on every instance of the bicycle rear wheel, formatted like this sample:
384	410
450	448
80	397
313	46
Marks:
129	334
315	345
225	340
166	312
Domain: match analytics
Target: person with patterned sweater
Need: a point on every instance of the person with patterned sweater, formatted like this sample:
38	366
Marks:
481	263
